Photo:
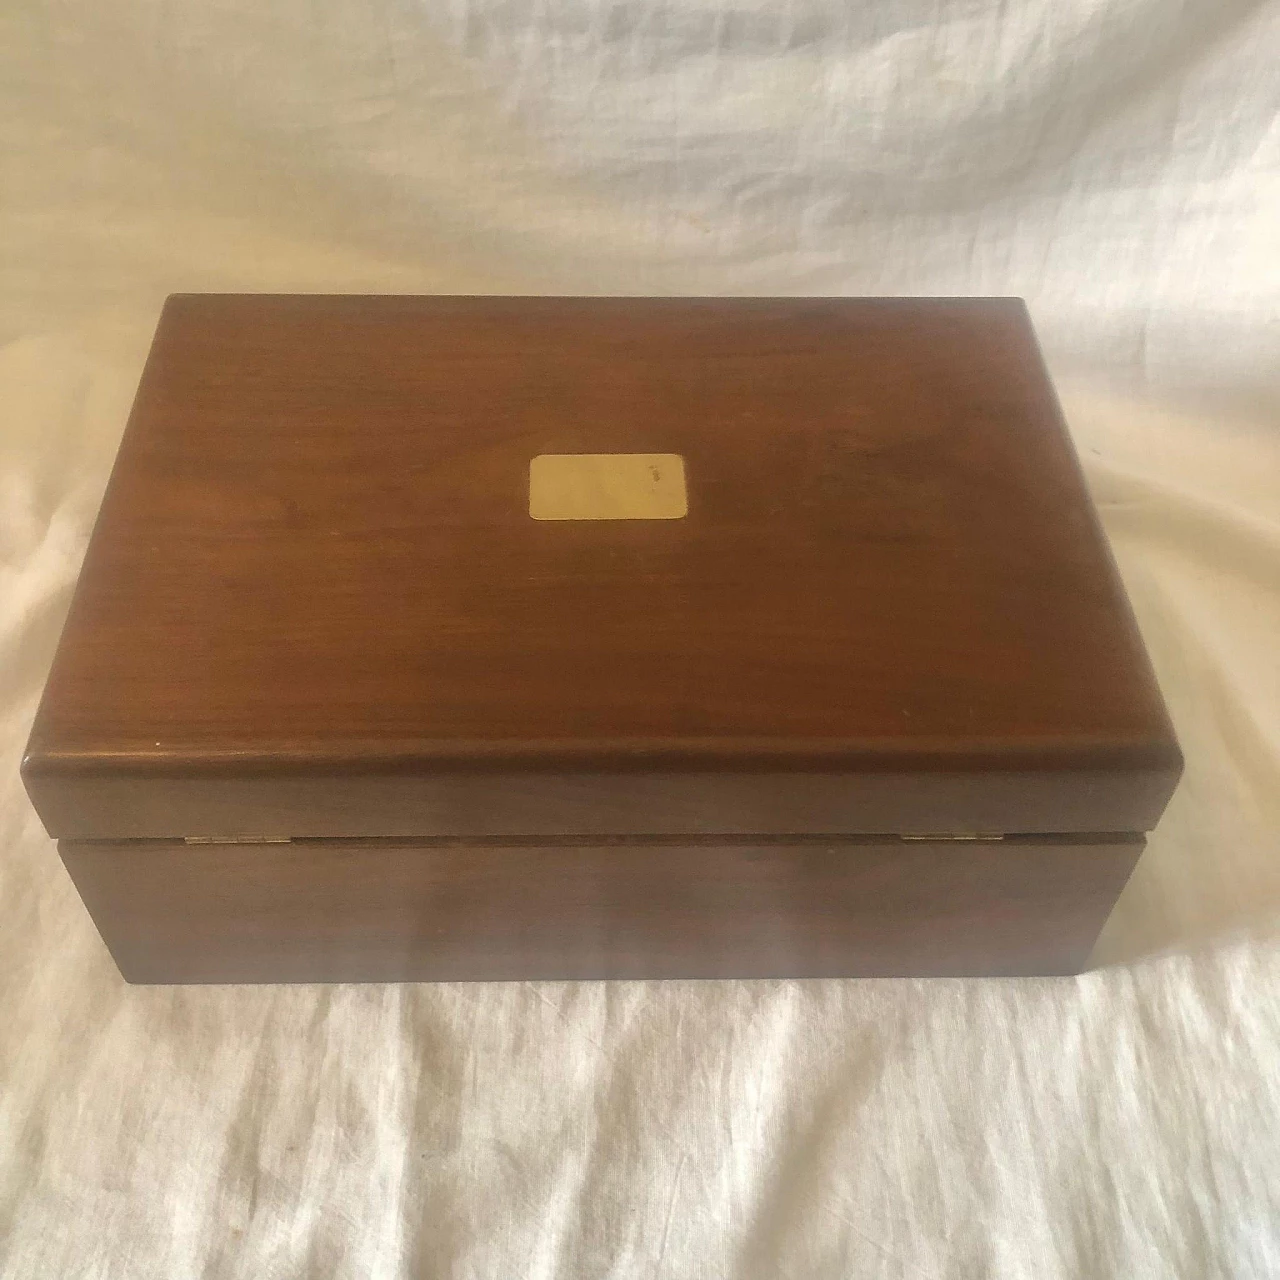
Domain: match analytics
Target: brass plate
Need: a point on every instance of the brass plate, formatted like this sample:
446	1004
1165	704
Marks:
607	486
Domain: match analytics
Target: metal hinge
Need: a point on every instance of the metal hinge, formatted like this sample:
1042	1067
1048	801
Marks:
952	835
237	840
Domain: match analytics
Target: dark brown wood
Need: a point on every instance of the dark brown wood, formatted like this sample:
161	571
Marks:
315	604
317	911
276	803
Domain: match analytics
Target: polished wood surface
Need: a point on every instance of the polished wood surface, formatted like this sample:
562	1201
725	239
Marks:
316	911
315	603
223	799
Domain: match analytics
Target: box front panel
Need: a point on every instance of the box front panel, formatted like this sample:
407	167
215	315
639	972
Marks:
333	910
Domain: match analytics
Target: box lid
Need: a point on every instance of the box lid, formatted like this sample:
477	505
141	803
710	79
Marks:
793	566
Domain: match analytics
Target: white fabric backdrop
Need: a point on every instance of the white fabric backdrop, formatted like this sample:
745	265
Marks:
1117	162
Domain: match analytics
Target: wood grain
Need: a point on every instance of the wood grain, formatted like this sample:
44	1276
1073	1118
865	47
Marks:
315	604
317	911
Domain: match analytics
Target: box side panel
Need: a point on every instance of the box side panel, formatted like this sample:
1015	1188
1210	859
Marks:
332	911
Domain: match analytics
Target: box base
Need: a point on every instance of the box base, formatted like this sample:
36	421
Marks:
412	911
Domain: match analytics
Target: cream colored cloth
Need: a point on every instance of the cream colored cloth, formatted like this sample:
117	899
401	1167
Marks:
1115	161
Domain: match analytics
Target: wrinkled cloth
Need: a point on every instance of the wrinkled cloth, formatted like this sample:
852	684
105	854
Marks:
1116	162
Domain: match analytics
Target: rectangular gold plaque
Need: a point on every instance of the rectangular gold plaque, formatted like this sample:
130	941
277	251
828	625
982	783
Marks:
607	486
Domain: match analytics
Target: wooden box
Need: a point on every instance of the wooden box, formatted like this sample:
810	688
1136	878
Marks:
435	638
